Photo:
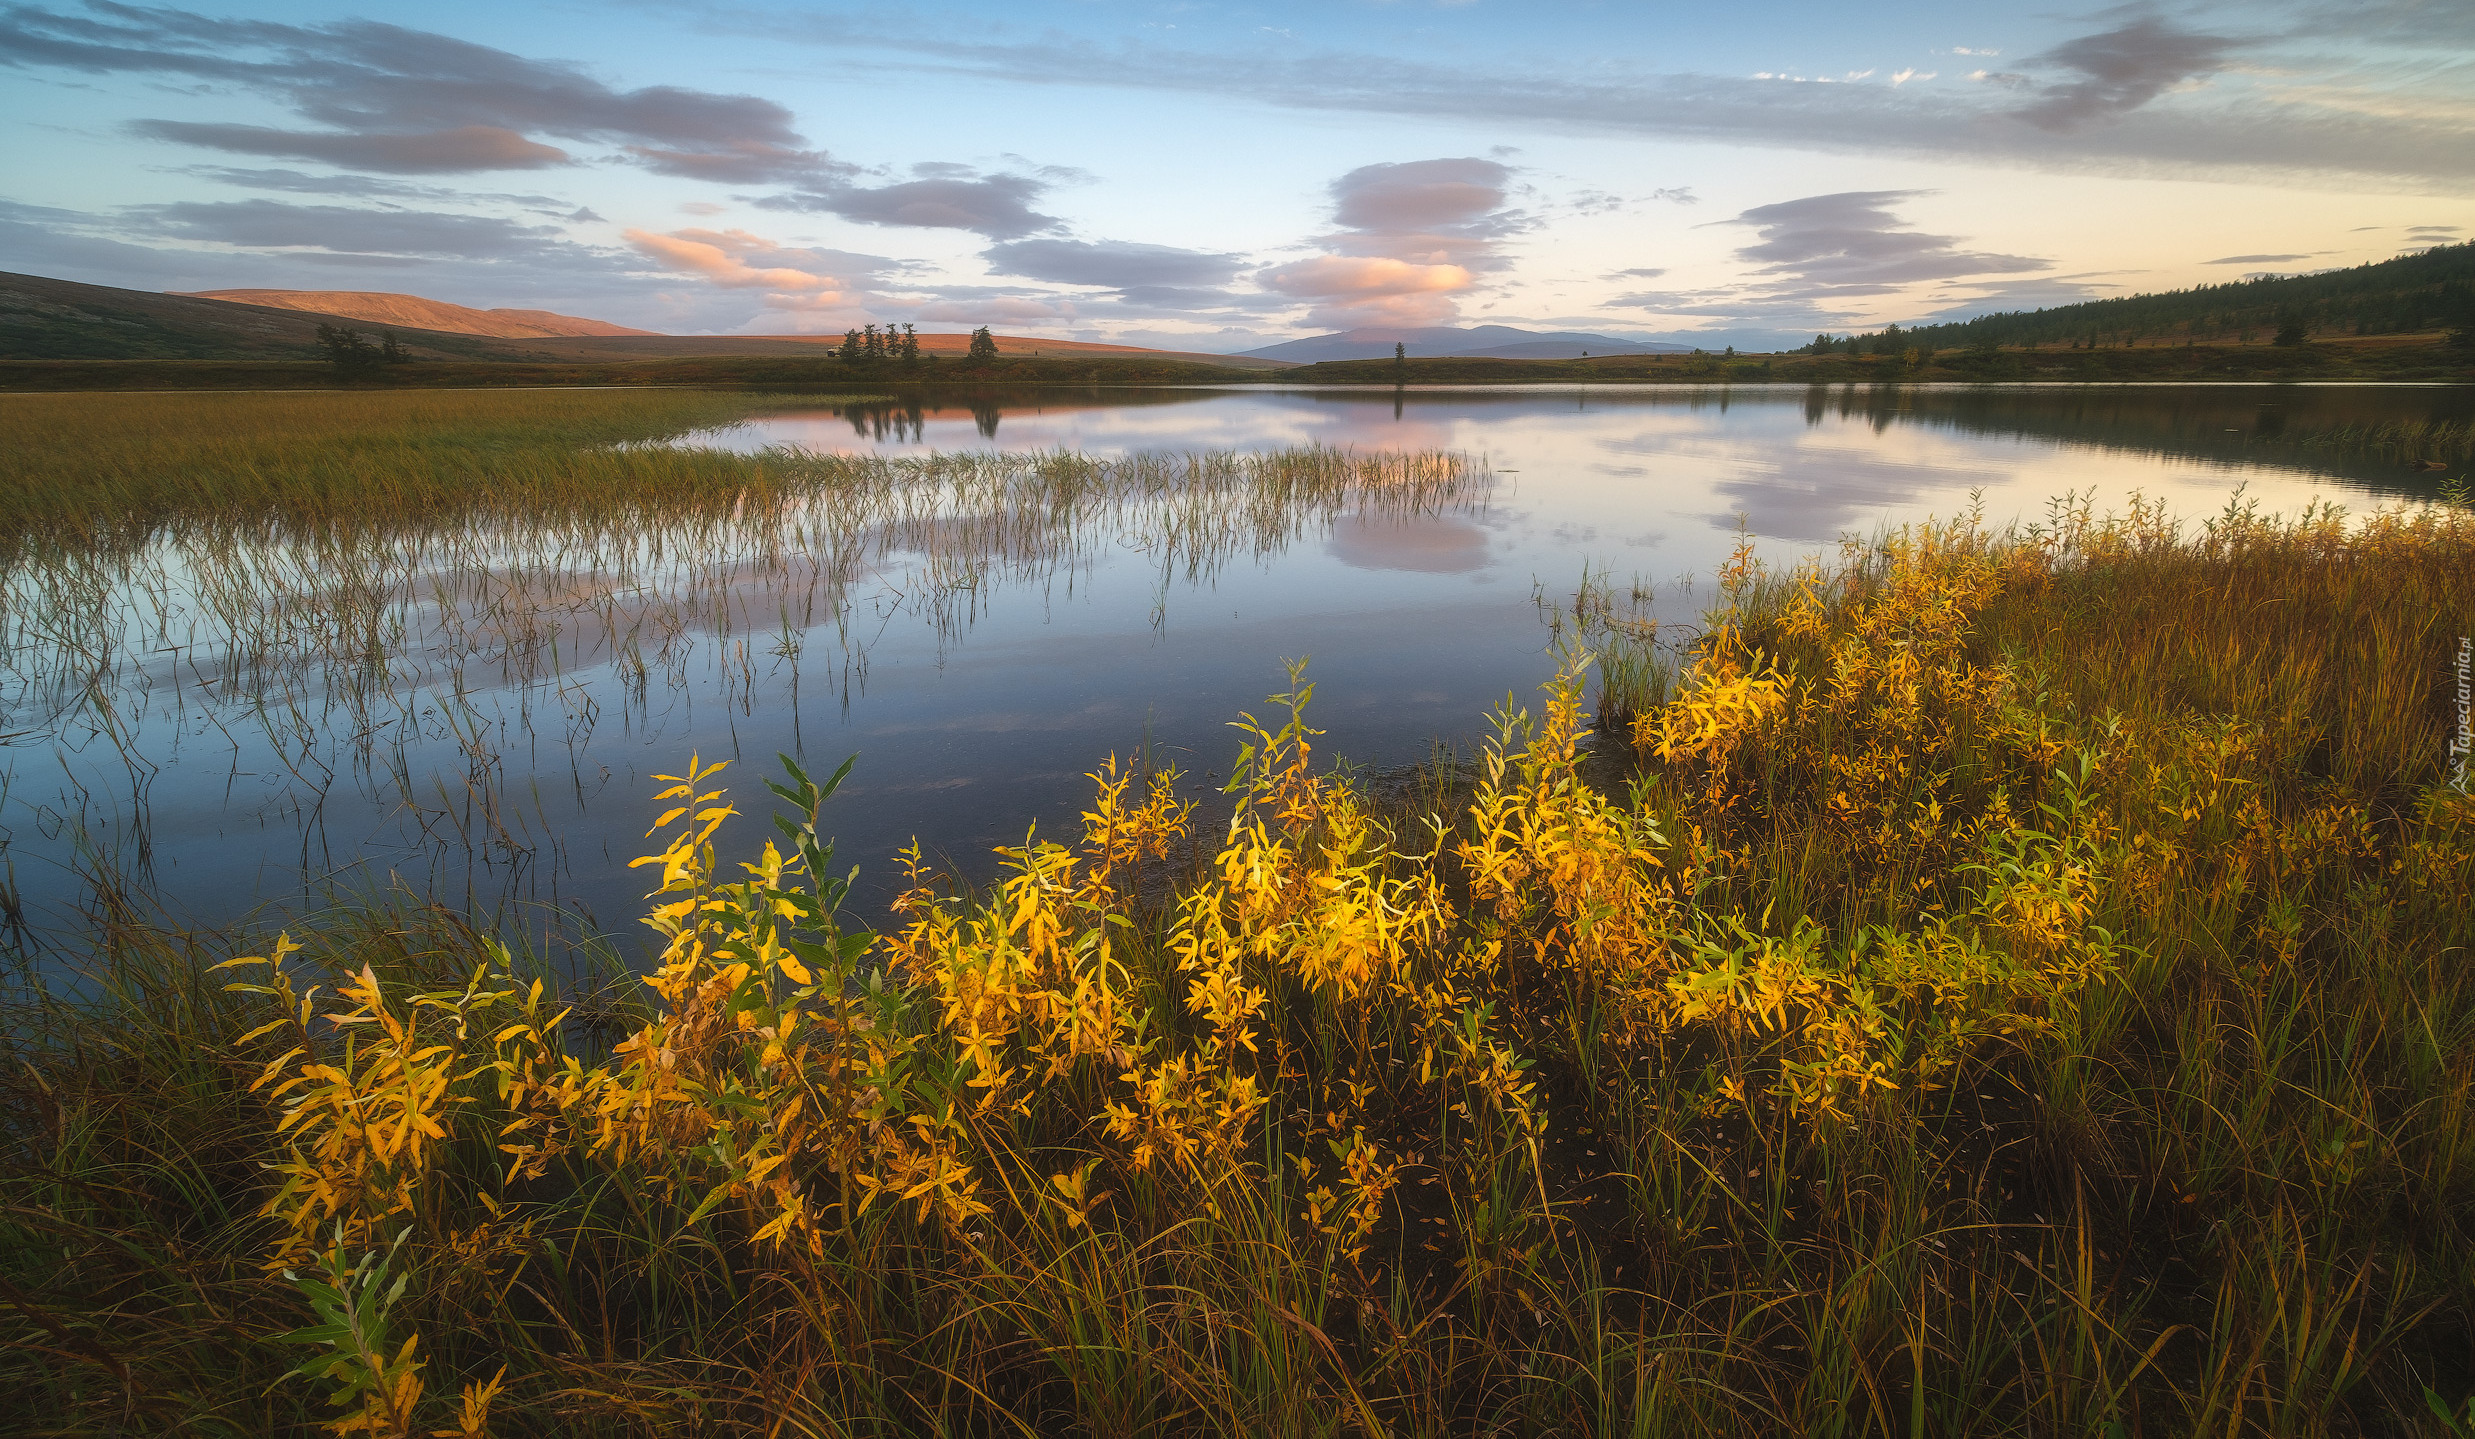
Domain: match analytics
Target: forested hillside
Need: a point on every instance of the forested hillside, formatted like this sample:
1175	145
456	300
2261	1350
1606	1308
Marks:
2431	290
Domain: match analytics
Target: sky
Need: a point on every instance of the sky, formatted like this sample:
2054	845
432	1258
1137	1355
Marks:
1216	177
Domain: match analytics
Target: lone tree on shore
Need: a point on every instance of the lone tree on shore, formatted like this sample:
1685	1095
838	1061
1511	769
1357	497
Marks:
351	352
983	344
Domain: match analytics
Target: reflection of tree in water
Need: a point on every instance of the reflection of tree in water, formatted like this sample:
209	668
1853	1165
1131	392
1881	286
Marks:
905	421
2372	435
901	420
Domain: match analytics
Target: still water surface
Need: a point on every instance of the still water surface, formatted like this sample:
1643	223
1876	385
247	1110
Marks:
977	688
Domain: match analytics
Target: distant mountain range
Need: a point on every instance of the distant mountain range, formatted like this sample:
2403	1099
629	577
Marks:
414	312
1500	342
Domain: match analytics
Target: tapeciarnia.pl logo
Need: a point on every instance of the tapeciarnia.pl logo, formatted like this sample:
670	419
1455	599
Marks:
2462	744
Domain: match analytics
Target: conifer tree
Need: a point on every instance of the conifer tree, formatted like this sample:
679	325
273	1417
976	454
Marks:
850	347
983	344
910	345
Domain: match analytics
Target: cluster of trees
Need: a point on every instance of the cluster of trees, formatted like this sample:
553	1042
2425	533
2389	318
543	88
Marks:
2432	289
353	355
868	343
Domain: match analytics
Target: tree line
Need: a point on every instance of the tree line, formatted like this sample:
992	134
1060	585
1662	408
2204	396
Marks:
871	345
2430	290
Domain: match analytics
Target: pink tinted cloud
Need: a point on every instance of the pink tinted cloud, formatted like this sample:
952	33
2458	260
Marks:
1410	238
1364	289
722	256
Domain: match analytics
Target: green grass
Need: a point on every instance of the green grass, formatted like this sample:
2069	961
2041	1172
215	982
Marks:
88	468
2226	1186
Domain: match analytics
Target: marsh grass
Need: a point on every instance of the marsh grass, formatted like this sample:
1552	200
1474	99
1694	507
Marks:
2022	990
384	593
109	470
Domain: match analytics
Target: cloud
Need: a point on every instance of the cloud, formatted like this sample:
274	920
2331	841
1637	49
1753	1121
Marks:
1003	309
529	267
2389	125
998	206
1361	290
722	257
814	286
297	182
438	152
71	244
412	101
1852	243
1411	236
1822	261
1114	264
1432	196
2261	259
2000	297
2117	71
1434	212
741	162
344	229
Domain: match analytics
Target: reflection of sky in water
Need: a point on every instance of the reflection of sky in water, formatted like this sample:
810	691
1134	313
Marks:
1415	629
1615	471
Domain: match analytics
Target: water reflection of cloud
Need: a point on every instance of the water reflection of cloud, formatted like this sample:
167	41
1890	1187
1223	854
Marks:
1821	495
1429	545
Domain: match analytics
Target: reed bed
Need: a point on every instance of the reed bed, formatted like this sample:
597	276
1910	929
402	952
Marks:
112	471
337	584
2021	989
2442	443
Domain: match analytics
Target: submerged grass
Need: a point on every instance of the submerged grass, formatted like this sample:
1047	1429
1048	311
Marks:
2023	991
381	593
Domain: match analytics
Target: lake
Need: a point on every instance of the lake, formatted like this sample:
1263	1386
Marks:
983	646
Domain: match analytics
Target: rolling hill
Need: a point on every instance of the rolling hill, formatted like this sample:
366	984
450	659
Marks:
415	312
47	319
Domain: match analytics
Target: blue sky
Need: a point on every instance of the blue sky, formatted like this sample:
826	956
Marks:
1216	176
